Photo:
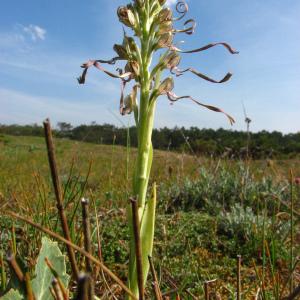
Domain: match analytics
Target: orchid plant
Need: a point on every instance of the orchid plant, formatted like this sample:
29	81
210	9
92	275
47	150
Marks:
152	23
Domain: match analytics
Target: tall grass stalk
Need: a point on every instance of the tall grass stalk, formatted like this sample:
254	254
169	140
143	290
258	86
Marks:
3	273
292	230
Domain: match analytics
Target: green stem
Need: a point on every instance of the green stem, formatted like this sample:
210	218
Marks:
142	171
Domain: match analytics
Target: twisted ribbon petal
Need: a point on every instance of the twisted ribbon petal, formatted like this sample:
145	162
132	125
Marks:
173	98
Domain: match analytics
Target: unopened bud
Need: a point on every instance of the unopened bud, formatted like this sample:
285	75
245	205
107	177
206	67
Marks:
126	16
165	27
172	60
165	40
130	43
133	67
121	51
166	86
128	105
165	15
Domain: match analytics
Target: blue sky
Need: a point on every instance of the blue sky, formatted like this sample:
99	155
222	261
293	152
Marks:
43	43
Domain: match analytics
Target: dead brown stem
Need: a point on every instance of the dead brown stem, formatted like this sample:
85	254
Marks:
57	290
29	292
15	267
87	243
58	195
155	284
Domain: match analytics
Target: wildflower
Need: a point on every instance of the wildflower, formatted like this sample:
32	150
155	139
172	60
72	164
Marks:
154	29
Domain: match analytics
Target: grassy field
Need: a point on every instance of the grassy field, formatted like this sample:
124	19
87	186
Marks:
23	161
209	211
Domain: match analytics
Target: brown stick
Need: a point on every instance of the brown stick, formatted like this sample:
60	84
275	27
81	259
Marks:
57	290
86	232
155	284
206	290
87	243
138	247
15	267
53	293
62	288
29	292
292	230
238	292
58	195
77	248
83	287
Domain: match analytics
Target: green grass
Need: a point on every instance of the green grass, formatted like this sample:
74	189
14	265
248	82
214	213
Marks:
23	159
208	210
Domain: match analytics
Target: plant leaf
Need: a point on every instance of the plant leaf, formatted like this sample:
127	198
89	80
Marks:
12	295
42	282
147	231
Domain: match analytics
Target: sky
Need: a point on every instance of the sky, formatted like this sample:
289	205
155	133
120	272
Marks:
43	44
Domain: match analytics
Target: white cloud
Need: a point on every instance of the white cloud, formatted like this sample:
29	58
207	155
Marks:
35	32
25	108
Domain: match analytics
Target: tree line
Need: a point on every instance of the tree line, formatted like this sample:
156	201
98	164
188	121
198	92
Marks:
221	142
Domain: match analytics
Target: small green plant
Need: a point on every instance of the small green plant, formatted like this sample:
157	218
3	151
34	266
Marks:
21	287
153	25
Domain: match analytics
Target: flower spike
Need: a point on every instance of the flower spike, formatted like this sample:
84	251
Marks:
152	23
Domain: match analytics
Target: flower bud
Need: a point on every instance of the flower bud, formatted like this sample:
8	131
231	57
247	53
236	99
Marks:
126	16
133	67
128	105
121	51
165	15
166	86
172	60
130	43
165	27
165	40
